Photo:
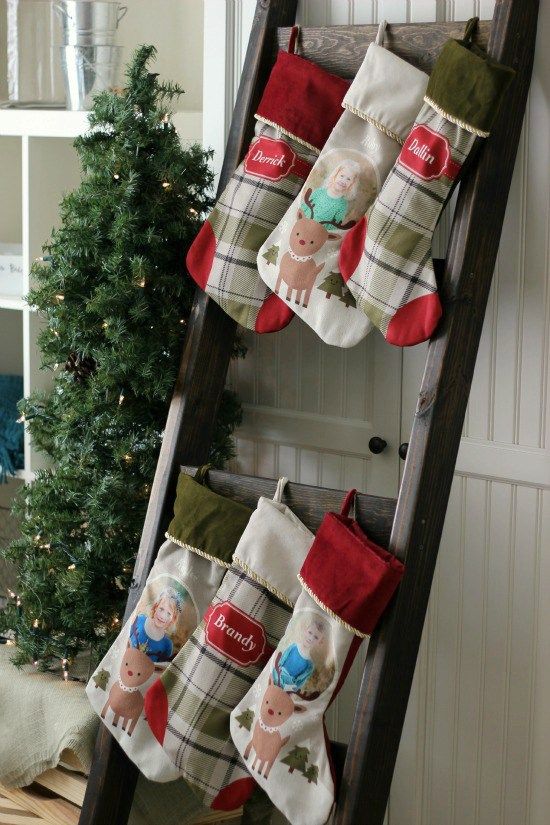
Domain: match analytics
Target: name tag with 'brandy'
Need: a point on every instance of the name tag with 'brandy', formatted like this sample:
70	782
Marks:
427	154
235	634
274	159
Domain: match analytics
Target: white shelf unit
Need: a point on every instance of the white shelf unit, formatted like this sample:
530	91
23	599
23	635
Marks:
38	164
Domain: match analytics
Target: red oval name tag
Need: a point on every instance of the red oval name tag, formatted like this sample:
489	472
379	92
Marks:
427	154
235	634
274	159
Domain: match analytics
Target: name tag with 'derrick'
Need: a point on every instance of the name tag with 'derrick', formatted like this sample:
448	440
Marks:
274	159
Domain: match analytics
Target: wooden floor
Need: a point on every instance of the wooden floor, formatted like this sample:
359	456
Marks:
56	796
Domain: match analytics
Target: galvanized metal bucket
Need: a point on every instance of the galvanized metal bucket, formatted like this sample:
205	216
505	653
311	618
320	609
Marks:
90	22
88	70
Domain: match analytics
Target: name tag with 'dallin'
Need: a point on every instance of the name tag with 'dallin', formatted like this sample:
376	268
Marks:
427	154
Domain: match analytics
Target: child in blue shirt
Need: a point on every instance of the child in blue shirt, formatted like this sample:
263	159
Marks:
295	665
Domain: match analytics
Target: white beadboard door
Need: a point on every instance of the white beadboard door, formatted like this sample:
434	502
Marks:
476	743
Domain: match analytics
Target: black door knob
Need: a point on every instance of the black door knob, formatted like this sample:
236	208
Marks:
377	444
403	450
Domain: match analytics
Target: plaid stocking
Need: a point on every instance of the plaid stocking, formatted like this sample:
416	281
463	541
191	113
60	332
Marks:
187	572
278	727
188	708
299	260
299	107
393	279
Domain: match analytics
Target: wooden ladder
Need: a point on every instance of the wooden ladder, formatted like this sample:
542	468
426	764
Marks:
412	526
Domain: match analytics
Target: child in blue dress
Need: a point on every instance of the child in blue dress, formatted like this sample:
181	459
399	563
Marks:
295	666
148	632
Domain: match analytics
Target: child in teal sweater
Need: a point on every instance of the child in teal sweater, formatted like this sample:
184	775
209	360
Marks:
330	202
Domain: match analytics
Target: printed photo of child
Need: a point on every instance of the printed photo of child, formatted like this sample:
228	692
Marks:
305	663
339	189
331	201
159	626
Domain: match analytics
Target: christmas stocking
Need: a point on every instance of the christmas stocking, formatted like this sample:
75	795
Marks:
300	105
188	707
299	260
393	278
279	727
201	539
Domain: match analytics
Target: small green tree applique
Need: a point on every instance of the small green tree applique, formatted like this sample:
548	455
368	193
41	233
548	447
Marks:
333	285
296	759
101	679
347	298
311	774
271	254
246	718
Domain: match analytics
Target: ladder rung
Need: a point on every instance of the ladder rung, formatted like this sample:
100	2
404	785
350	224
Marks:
374	513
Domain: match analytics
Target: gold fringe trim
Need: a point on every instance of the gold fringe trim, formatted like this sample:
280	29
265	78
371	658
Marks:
463	125
374	122
287	133
330	612
253	575
196	550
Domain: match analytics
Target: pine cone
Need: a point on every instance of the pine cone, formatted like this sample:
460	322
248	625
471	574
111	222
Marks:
81	366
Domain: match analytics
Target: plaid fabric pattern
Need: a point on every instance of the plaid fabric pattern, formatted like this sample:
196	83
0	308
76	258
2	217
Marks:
246	213
396	264
203	686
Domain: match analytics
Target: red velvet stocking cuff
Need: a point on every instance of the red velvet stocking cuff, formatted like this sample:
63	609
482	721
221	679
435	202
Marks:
302	99
349	574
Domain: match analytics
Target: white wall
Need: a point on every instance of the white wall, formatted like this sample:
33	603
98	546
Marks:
175	27
476	744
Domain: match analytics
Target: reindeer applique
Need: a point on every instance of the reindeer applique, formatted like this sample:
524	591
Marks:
125	699
298	270
276	707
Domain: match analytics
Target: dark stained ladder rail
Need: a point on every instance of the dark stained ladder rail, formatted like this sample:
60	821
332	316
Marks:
370	759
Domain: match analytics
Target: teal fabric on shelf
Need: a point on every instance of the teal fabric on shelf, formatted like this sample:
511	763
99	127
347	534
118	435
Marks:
11	430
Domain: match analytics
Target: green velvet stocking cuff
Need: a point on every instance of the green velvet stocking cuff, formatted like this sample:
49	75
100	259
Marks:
206	522
467	86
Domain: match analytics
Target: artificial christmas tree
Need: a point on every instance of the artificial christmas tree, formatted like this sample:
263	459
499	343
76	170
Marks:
116	302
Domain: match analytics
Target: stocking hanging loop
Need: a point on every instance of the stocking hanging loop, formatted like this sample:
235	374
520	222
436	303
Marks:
281	484
349	503
201	473
295	30
469	30
380	34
